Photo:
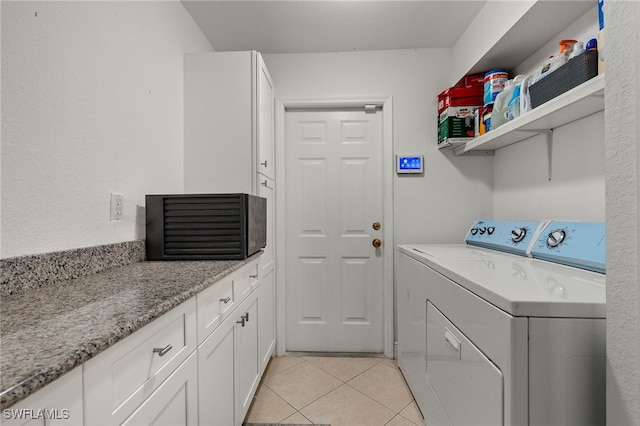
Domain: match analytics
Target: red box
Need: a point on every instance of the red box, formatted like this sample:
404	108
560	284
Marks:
473	80
460	96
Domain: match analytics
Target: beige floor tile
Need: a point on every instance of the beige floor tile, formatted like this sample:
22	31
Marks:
401	421
301	384
281	363
412	412
386	385
267	407
297	419
390	362
342	368
345	406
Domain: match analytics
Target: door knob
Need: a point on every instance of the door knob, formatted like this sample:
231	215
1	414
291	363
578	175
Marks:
377	242
376	225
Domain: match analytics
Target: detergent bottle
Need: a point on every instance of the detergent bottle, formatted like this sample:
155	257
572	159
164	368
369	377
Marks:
514	107
501	104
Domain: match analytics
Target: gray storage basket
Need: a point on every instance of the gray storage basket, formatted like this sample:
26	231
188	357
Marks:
575	72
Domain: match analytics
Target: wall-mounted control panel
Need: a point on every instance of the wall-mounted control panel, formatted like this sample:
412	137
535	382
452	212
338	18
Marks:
409	164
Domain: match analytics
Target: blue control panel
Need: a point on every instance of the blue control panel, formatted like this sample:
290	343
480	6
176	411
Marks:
409	164
578	244
505	235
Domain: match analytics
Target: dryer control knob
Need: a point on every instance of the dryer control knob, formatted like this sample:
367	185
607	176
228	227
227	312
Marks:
555	238
518	234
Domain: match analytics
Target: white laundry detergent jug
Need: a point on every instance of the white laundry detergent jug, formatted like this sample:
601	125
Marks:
501	104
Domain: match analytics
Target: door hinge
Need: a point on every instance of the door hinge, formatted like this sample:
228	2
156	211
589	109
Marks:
370	108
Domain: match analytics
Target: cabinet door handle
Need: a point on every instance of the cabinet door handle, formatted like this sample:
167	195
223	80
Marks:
246	316
225	300
162	351
253	276
241	321
264	183
264	163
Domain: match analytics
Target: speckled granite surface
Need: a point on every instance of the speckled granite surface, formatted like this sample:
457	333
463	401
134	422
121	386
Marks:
24	272
47	331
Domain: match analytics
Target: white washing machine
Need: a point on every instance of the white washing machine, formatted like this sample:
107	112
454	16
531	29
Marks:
489	337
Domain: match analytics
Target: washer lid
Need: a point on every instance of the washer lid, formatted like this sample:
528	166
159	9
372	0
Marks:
449	250
523	286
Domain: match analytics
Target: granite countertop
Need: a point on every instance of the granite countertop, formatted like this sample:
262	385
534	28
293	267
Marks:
47	331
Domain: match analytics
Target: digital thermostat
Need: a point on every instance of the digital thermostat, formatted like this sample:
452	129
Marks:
409	164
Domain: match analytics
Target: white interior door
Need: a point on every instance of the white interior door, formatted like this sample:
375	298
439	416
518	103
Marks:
334	194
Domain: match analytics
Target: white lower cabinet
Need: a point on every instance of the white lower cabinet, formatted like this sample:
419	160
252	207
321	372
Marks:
126	378
159	375
228	365
232	358
266	319
246	356
216	394
174	403
58	404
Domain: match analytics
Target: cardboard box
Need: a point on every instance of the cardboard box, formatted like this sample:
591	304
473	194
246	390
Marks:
473	80
457	122
460	96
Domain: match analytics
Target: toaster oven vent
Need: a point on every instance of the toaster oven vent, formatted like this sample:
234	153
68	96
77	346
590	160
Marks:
203	226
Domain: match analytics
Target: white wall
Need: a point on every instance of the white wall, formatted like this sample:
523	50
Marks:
576	189
522	188
91	104
438	206
622	130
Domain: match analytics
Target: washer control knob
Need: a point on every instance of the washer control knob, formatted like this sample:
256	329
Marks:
555	238
482	230
518	234
490	230
474	231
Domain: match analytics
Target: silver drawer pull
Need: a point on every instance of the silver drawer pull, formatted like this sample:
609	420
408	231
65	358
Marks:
225	300
162	351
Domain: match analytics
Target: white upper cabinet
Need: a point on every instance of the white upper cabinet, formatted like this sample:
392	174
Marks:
228	122
265	118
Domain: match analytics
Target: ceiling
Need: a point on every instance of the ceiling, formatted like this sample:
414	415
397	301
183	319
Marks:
311	26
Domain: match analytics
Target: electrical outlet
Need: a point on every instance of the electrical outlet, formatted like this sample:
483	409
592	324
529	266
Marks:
117	207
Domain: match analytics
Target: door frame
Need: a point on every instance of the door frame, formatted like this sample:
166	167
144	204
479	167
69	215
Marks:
388	163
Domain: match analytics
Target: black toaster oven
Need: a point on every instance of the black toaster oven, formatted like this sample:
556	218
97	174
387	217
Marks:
205	226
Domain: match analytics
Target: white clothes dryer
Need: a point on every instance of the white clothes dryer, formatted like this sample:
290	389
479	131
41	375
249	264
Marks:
490	338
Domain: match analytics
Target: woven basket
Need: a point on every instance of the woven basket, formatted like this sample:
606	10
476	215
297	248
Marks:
575	72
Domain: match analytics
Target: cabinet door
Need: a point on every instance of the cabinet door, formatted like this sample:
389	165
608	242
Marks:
58	404
219	131
265	117
267	190
174	403
266	320
215	376
246	369
118	380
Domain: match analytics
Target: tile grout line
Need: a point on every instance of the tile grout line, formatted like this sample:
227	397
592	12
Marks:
342	383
